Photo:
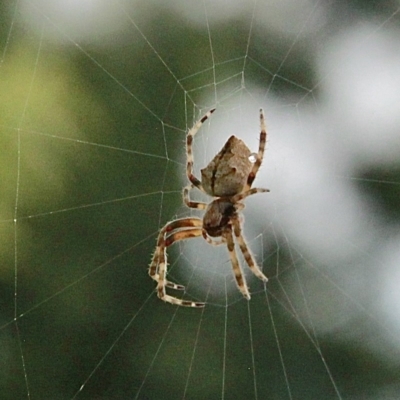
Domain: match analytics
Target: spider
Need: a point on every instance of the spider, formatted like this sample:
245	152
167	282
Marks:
228	179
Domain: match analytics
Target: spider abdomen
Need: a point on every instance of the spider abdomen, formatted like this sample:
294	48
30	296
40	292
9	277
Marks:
227	173
218	216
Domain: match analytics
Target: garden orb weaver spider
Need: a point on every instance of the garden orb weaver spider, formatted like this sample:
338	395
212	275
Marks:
228	179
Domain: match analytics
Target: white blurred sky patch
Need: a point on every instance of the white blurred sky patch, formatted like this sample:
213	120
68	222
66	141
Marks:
389	302
360	73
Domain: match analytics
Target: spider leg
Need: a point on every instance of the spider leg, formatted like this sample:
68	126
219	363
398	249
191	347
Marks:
182	235
154	275
237	271
260	154
158	265
161	245
246	252
189	153
211	241
189	203
243	195
162	268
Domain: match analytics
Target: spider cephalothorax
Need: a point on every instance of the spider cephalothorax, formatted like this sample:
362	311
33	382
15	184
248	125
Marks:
217	217
228	179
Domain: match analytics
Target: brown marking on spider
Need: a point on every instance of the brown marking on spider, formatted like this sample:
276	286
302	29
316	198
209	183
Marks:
228	179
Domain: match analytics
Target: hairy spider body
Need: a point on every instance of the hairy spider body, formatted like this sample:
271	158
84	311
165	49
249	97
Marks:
228	178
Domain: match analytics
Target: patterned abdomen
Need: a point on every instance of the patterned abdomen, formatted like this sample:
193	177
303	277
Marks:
227	173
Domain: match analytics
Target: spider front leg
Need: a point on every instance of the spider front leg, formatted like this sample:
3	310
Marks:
158	266
162	282
161	245
246	252
260	154
189	153
213	242
237	271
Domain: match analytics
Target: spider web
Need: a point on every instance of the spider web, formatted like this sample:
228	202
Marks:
96	100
